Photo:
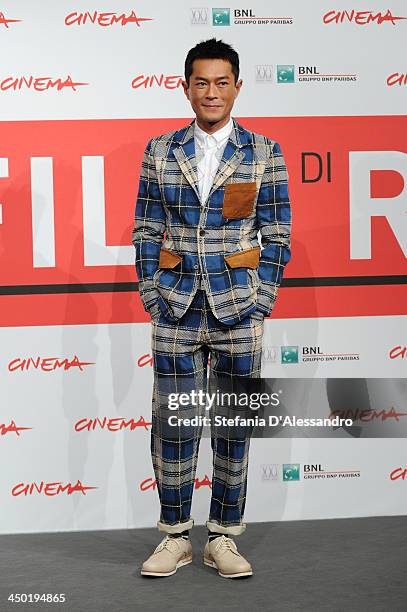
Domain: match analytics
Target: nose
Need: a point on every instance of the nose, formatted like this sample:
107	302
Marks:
211	93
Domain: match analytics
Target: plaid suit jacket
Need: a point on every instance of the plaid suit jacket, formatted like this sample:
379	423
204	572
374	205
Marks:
176	236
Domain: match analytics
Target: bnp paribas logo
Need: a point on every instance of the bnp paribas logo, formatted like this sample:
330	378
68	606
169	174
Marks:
289	354
221	16
291	471
285	73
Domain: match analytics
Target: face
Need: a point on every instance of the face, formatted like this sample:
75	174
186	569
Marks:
212	92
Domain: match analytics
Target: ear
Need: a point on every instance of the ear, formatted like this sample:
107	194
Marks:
185	87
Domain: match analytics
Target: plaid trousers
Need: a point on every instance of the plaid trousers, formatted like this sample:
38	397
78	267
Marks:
180	353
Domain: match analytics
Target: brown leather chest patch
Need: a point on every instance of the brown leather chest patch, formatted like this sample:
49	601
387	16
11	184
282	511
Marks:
238	200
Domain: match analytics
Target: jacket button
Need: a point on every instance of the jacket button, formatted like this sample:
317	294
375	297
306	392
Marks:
201	232
196	266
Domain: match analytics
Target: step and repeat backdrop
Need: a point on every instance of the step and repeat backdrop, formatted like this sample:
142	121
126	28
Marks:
83	86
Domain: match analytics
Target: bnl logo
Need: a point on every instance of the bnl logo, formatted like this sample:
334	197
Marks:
289	354
285	73
291	471
221	16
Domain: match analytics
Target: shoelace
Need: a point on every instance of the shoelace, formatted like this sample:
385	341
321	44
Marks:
165	544
225	542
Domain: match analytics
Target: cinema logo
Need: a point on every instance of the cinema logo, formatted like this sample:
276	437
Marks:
399	473
145	360
49	489
47	364
396	78
368	416
361	17
157	80
104	19
11	428
112	424
317	472
4	21
398	352
150	483
42	83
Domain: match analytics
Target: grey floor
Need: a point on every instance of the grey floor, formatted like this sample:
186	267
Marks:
331	565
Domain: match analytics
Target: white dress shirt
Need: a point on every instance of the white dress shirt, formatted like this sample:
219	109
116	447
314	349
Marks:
209	150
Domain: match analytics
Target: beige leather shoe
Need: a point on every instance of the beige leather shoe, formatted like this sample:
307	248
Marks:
170	554
223	555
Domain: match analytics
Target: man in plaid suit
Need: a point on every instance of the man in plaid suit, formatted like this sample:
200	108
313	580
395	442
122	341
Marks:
205	193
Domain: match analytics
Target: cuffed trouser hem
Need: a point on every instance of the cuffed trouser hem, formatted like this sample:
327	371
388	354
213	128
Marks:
234	530
178	528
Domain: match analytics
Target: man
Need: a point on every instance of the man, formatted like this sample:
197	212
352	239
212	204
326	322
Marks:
210	187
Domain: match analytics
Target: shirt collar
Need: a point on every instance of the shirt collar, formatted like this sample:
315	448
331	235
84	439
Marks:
220	135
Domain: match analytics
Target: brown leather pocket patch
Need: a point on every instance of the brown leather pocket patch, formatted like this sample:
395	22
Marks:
238	200
244	259
168	259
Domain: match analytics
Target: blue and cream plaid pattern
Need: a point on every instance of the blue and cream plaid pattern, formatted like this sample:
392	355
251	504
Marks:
170	217
207	286
180	352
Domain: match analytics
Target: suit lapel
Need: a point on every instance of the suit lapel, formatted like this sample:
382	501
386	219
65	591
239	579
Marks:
185	156
232	156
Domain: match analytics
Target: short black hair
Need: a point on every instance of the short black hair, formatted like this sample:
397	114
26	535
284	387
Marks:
212	49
